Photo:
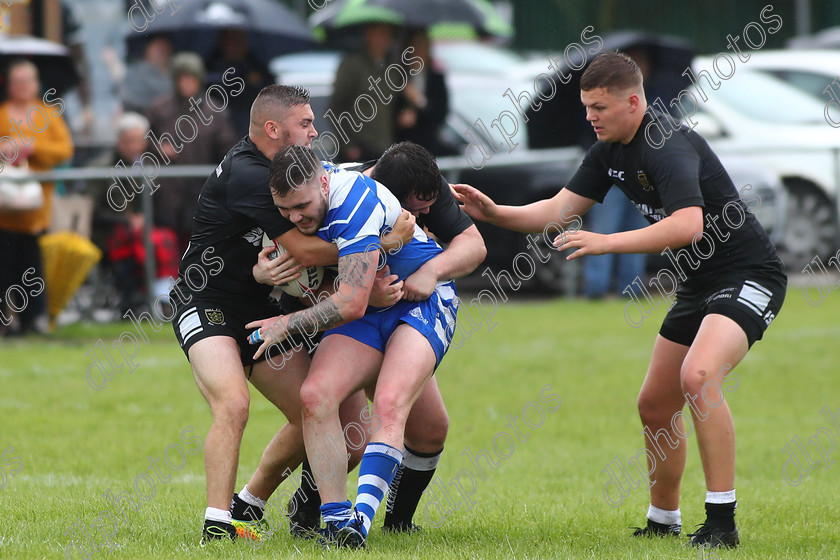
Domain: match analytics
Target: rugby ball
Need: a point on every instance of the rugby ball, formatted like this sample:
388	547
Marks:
310	277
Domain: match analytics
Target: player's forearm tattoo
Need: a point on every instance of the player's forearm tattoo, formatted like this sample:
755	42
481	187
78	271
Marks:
319	317
355	270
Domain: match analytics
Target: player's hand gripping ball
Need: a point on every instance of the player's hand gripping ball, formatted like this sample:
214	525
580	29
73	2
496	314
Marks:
310	277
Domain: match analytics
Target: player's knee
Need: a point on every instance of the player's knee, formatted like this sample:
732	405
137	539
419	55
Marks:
315	400
233	411
694	377
390	406
436	430
651	410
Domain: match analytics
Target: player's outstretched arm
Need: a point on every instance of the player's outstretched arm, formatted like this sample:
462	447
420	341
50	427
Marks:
563	208
463	255
356	274
677	230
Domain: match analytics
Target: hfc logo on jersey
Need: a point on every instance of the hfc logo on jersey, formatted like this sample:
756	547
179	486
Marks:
616	174
643	180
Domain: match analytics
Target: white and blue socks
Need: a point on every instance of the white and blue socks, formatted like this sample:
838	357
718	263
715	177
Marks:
339	513
376	472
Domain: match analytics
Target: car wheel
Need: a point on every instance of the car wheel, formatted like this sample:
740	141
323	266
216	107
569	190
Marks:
810	225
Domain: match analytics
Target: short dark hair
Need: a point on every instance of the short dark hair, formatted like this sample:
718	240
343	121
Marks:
292	168
276	95
613	71
408	168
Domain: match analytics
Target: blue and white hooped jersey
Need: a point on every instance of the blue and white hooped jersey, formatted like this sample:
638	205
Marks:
360	210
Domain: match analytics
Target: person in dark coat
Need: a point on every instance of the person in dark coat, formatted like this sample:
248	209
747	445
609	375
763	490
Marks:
175	200
425	100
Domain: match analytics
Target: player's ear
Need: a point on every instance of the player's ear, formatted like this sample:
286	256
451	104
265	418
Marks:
271	130
634	101
325	184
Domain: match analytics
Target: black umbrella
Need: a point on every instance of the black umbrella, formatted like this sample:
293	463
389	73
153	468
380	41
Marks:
273	29
55	66
410	13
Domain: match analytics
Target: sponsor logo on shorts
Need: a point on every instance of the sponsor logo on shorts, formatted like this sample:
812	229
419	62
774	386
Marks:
725	293
417	314
215	316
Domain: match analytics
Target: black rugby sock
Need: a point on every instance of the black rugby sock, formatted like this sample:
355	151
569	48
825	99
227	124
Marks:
412	478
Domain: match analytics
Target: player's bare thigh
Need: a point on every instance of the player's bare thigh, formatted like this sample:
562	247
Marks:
217	369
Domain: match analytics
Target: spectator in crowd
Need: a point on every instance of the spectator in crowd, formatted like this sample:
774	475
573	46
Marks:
175	200
38	136
425	99
126	252
72	33
233	51
132	142
351	81
148	78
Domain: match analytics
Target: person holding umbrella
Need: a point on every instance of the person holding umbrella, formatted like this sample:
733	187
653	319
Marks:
233	51
365	140
426	99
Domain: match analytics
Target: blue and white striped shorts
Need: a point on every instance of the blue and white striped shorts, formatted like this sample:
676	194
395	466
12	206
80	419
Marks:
434	318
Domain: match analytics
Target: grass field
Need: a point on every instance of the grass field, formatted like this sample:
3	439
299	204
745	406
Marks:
71	444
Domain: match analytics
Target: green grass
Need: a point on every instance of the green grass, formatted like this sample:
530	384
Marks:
544	501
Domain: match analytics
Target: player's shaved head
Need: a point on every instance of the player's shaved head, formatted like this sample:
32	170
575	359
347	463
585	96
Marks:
613	71
274	101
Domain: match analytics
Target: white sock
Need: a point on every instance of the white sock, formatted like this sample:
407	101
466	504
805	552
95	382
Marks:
664	516
720	497
250	499
216	514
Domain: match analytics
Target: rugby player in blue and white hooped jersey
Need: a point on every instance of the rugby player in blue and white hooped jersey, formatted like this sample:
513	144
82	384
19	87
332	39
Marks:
395	350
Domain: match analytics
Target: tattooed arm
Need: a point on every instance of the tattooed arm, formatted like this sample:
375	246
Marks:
356	273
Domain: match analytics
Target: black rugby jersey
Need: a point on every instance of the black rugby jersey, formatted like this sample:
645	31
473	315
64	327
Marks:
682	172
234	208
445	219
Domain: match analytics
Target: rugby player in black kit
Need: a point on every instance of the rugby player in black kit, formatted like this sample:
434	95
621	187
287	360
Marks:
732	282
212	305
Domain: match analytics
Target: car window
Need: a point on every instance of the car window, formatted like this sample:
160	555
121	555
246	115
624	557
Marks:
810	82
765	98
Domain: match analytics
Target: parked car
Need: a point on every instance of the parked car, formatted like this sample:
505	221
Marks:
811	71
784	129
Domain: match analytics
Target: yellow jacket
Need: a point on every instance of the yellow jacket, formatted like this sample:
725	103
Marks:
49	148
